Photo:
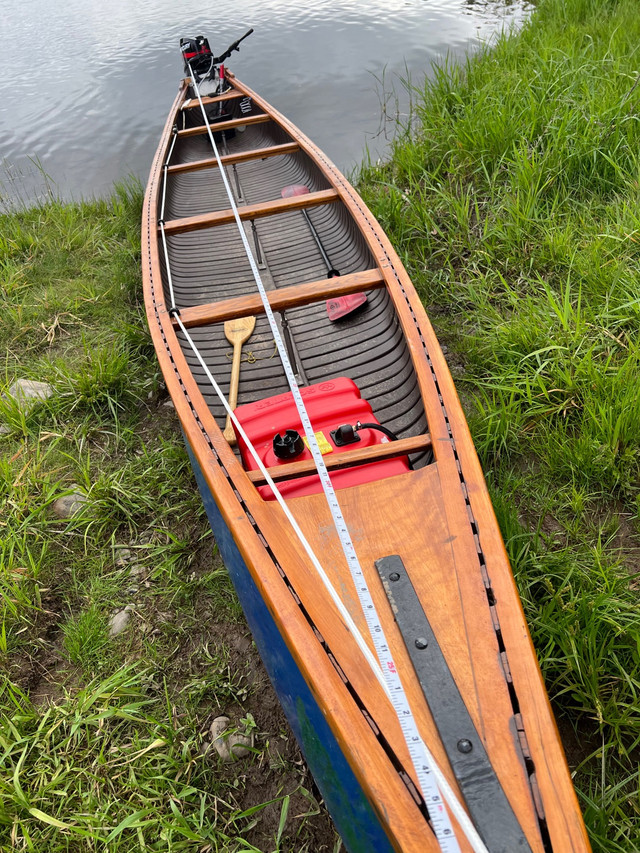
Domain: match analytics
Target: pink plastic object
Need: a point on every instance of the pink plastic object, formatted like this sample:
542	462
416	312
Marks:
340	306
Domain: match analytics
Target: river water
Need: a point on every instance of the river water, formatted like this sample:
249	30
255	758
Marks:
87	84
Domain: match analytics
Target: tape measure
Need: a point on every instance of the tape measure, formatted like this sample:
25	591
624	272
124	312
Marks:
425	767
417	749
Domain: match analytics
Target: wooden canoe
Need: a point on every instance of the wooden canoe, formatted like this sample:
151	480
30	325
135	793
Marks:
425	504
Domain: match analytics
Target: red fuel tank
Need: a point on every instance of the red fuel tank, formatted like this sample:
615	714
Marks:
329	404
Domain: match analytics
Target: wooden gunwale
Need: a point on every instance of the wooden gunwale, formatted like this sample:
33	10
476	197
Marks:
230	159
249	211
224	125
294	296
228	483
455	459
345	459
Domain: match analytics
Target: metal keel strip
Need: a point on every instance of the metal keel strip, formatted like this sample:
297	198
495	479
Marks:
432	781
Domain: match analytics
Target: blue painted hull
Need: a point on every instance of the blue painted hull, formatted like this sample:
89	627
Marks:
352	814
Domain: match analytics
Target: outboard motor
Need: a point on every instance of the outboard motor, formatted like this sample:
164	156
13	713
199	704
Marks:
198	57
197	54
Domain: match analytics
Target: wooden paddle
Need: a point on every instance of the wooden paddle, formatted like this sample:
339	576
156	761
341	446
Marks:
236	332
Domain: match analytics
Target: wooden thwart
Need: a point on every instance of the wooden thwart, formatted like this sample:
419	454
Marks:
240	157
345	459
216	127
226	96
249	211
280	300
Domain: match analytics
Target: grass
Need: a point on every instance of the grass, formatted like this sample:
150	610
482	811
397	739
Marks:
104	740
513	198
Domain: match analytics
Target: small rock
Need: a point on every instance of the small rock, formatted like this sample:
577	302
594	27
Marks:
168	404
218	726
136	570
123	556
119	622
30	389
4	429
229	746
69	505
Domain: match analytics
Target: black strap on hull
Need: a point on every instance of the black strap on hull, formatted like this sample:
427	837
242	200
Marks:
489	808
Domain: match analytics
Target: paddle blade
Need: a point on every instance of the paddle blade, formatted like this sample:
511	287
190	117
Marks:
343	305
239	331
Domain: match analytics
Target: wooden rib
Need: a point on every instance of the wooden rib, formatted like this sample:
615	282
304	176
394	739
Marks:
279	300
344	459
240	157
224	125
249	211
226	96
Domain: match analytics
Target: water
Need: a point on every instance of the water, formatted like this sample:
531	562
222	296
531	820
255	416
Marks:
87	84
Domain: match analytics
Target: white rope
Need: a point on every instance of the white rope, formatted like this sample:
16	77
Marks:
161	223
423	760
348	619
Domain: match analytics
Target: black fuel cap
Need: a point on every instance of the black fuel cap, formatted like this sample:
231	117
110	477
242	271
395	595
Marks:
289	445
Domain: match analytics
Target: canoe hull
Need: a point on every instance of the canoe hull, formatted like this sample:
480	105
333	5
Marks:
355	820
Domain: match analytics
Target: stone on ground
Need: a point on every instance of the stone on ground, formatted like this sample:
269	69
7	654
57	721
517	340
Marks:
119	622
229	746
24	390
69	505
